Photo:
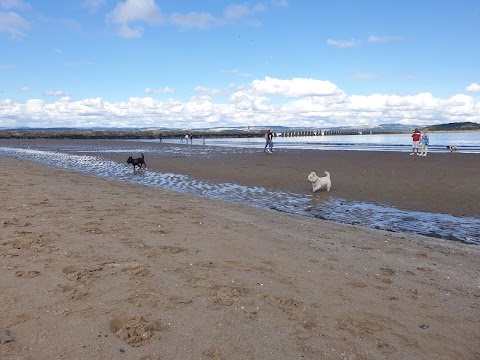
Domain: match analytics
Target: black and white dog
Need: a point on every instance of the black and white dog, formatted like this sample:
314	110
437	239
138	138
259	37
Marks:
452	148
140	162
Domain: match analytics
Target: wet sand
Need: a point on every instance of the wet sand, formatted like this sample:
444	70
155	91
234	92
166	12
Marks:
444	183
98	269
439	183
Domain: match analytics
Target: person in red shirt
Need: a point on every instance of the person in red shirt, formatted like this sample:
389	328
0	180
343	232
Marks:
415	138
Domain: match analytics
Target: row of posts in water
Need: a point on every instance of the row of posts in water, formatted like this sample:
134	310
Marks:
292	133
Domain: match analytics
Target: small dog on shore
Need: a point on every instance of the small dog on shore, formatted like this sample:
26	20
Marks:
319	182
140	162
452	148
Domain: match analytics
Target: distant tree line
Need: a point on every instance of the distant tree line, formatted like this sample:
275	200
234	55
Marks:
119	134
461	126
172	134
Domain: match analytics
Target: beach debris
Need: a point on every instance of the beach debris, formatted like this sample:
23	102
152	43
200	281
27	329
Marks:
5	336
423	326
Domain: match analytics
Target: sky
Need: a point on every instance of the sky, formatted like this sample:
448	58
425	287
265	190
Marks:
195	64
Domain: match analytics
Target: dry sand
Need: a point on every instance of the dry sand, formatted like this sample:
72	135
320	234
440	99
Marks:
97	269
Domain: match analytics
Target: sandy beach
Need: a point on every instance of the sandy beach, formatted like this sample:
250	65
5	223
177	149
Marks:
98	269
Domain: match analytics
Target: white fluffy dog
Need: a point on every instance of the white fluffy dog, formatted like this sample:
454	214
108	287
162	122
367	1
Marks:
319	182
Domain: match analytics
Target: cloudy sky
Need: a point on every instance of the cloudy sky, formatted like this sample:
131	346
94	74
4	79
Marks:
215	63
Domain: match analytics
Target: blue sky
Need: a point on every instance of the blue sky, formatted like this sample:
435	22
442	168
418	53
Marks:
216	63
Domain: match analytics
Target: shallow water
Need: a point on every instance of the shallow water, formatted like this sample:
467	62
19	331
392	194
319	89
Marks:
463	229
466	142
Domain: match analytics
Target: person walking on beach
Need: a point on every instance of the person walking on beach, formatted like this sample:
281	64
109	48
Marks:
269	141
266	141
160	137
270	146
415	139
425	142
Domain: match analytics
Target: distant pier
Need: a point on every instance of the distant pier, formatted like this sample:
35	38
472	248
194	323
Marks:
295	133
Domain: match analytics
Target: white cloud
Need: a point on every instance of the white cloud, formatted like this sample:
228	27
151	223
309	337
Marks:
165	90
232	14
296	87
129	32
6	102
130	16
342	43
284	102
13	24
55	93
473	87
355	43
208	91
134	11
25	89
193	20
235	13
383	39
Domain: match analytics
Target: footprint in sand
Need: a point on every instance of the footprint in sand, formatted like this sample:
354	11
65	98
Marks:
27	274
226	295
212	353
134	330
81	274
24	243
132	267
5	336
294	309
8	267
75	292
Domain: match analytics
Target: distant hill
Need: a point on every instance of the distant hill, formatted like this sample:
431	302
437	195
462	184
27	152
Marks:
152	133
462	126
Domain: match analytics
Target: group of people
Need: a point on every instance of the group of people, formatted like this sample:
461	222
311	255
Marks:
186	137
420	138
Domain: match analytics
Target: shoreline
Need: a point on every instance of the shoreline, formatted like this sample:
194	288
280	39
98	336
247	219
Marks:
93	268
441	183
321	205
